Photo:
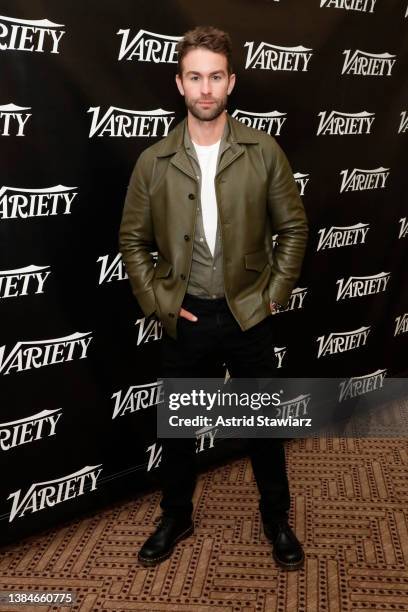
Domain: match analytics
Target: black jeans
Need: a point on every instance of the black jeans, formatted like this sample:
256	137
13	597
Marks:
200	348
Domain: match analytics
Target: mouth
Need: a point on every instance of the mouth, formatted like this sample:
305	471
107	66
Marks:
206	102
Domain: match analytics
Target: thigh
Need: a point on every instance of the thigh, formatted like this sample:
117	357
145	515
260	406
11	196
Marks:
251	353
193	354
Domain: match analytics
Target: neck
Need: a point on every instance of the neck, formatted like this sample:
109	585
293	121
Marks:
206	132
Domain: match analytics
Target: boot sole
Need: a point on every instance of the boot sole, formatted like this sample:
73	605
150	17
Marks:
151	562
288	566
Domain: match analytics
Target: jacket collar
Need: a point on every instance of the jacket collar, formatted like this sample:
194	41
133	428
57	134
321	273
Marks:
238	134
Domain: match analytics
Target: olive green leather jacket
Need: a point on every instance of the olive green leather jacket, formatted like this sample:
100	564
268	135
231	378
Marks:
257	196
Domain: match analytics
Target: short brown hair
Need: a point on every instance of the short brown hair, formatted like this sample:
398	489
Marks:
205	37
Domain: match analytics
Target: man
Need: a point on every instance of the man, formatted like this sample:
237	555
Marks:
208	197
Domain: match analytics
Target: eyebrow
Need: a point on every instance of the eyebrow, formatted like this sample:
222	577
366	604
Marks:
214	72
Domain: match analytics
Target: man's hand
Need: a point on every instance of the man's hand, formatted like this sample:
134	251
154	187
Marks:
187	315
275	307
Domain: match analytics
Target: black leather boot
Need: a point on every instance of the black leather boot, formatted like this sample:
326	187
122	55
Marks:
160	544
287	550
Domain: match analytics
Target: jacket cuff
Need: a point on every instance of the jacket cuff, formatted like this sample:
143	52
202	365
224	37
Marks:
279	292
147	302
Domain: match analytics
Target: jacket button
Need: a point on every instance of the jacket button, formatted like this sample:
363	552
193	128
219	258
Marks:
171	315
186	237
191	196
183	276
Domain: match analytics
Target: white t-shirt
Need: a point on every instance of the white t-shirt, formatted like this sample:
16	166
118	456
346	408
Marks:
207	157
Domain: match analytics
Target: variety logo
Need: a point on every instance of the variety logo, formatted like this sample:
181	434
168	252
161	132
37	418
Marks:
360	180
340	342
280	352
114	269
295	408
130	123
358	286
148	47
38	35
18	203
403	126
40	353
149	330
205	439
337	236
12	120
404	227
401	324
137	397
359	385
111	270
367	64
296	300
155	454
42	495
337	123
273	57
301	180
29	429
271	123
23	281
366	6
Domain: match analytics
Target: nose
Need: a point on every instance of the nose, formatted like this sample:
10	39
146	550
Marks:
205	86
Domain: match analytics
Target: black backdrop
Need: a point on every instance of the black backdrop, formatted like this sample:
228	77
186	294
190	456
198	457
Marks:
85	87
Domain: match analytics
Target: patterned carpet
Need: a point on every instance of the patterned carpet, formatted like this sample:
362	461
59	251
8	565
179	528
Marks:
350	509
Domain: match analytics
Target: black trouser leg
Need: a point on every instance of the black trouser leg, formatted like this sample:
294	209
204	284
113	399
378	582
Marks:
178	475
198	352
190	356
250	355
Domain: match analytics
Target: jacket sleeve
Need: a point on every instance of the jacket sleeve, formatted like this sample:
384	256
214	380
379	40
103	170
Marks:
136	239
288	220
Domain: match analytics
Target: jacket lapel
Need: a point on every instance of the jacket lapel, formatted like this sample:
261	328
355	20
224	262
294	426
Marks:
238	135
229	156
180	160
173	146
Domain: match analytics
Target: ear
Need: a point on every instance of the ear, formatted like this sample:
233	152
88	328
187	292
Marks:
179	83
231	83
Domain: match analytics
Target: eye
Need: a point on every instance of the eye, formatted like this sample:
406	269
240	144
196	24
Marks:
194	78
217	77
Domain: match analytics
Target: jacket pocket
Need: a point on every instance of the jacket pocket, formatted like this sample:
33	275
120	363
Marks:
256	261
163	269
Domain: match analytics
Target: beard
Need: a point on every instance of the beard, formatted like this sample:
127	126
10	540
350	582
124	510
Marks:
206	114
